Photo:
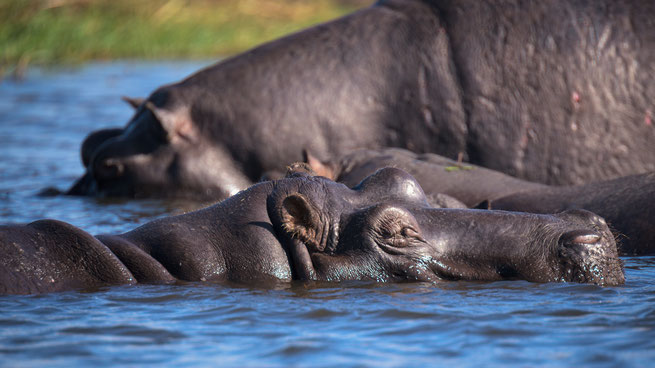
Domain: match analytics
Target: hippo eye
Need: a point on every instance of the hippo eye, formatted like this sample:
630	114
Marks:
404	238
386	233
409	232
399	237
390	228
395	227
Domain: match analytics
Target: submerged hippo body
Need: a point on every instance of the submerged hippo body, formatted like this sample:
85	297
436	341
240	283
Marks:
556	92
626	203
311	228
468	183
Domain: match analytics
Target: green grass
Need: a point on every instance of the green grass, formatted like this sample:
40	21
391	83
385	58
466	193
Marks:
47	32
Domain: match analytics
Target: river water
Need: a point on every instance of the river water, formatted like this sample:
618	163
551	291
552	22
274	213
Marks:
43	119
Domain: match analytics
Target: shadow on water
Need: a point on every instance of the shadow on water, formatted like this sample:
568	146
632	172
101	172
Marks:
42	122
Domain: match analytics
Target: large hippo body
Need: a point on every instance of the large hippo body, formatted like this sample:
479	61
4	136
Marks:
311	228
555	92
626	203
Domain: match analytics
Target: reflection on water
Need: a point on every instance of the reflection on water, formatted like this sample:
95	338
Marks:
42	122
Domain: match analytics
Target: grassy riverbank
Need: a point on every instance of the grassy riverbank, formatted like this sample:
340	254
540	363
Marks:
47	32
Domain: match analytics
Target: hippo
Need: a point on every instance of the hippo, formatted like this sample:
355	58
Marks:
438	175
626	203
310	228
555	92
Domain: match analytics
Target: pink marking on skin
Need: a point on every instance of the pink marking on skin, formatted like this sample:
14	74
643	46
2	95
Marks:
524	140
575	97
647	119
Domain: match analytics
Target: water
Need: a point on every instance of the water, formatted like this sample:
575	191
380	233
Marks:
44	118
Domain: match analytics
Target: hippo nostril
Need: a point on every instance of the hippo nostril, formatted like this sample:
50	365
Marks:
586	239
108	169
581	237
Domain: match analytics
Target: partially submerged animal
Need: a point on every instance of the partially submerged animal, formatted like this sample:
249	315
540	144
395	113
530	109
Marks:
310	228
556	92
626	203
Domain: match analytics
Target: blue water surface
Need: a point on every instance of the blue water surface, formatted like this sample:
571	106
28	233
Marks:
43	119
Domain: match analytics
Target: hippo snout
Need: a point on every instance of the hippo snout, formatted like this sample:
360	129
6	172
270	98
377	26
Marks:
96	168
94	140
584	217
588	252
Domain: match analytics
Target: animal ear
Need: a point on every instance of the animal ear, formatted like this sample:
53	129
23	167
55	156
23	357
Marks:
135	102
176	123
324	169
301	220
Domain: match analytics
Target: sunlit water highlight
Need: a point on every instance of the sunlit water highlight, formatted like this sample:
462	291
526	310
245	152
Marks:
44	118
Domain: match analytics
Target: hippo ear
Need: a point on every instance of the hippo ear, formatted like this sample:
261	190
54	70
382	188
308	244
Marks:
324	169
135	102
176	123
301	220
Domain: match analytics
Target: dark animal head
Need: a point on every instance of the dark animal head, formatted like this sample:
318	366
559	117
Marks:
160	153
384	230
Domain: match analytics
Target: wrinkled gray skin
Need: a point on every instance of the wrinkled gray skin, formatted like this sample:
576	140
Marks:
468	183
556	92
626	203
311	228
437	200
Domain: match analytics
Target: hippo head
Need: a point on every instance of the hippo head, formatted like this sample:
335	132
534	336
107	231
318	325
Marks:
160	153
383	229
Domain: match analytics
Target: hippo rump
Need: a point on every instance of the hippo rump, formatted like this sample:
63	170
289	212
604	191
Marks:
626	203
556	92
310	228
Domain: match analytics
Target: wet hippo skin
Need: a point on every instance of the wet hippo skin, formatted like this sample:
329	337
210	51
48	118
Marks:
310	228
556	92
626	203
